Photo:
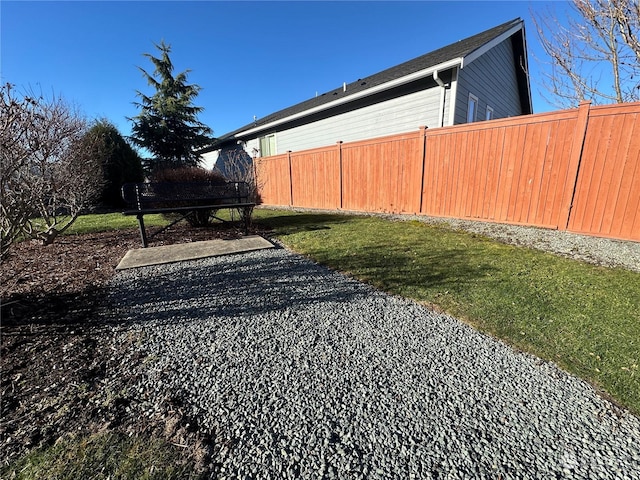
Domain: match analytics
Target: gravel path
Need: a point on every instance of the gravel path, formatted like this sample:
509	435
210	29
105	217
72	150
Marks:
302	372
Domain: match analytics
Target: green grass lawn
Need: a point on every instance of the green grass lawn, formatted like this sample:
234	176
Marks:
585	318
103	456
112	221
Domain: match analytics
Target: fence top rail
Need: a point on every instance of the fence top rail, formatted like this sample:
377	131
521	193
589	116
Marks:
315	151
616	109
386	139
280	156
538	118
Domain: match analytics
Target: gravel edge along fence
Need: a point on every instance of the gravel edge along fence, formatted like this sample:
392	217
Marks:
597	250
302	372
602	251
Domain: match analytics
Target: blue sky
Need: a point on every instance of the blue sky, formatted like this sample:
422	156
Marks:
250	58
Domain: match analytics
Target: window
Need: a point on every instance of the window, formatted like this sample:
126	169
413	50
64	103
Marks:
489	114
268	145
472	108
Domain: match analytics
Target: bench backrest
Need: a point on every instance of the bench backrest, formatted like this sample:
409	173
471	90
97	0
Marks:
162	195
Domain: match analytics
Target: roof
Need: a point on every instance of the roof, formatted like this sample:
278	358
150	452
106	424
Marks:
444	56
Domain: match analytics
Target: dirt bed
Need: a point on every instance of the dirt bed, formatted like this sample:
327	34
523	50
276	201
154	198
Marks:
57	363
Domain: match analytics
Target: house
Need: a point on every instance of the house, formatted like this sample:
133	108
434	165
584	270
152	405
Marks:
479	78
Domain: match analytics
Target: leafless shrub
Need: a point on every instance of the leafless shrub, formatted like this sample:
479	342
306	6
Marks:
48	168
238	166
16	115
186	175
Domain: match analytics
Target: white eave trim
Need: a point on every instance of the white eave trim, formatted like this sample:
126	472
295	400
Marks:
490	44
427	72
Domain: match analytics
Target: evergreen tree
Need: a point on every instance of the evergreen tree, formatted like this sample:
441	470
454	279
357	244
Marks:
120	162
167	125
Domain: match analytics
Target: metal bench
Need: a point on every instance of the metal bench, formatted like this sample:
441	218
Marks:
185	199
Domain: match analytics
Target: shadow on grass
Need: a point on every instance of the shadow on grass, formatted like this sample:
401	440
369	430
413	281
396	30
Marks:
396	257
403	271
293	223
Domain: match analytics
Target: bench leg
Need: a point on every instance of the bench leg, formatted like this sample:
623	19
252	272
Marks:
247	220
143	232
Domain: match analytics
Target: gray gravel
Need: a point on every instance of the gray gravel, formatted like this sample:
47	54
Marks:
597	250
302	372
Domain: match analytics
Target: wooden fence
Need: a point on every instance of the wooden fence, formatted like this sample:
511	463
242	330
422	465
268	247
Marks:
575	170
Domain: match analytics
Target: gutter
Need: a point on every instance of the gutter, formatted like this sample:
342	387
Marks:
427	72
439	81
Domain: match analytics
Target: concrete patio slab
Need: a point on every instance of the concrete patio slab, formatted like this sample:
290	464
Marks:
144	257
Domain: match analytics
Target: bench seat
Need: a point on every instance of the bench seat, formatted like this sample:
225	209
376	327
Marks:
184	198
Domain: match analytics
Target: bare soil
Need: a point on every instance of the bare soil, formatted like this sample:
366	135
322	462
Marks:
57	357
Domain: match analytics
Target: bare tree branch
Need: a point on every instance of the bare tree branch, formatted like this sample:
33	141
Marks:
236	165
48	169
594	55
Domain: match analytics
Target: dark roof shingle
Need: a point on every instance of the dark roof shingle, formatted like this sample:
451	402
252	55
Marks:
462	48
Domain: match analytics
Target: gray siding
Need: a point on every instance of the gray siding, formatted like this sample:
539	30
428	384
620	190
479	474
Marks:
492	79
399	115
209	159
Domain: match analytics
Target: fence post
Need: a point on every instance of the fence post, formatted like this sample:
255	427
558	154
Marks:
339	142
575	157
423	130
290	179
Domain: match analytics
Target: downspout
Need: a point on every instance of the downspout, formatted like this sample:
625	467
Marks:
439	81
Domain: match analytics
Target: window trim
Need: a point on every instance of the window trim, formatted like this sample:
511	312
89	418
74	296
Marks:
266	138
489	111
474	99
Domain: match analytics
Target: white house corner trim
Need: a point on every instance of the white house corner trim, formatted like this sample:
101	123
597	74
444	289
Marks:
453	97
